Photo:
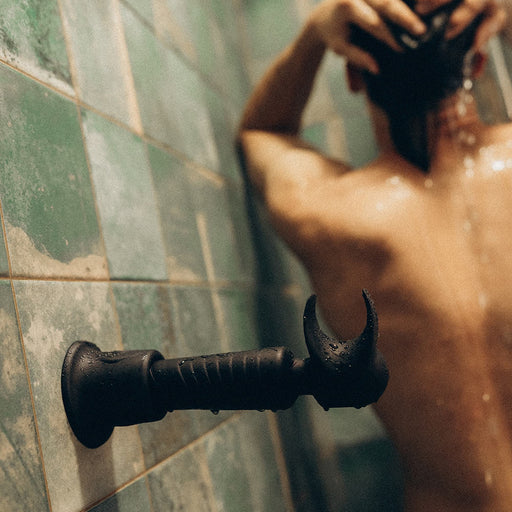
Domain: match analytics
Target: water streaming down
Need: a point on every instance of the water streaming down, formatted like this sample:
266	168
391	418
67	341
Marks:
486	164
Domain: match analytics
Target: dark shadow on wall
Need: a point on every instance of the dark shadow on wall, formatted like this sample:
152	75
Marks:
279	322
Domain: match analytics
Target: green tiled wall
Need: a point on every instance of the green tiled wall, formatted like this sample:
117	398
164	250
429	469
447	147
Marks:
124	222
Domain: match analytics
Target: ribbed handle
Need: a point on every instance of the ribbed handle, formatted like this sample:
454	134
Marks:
253	379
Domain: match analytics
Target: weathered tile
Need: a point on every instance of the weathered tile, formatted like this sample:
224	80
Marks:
22	485
242	215
31	39
94	29
248	478
4	265
45	188
126	200
182	483
239	314
178	217
134	498
216	229
143	8
53	315
197	333
144	312
170	94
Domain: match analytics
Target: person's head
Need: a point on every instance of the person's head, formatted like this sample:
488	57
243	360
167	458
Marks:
413	82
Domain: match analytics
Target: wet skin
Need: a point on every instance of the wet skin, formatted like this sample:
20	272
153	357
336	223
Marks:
435	252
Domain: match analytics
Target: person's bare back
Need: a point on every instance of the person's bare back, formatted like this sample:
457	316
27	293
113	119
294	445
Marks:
435	252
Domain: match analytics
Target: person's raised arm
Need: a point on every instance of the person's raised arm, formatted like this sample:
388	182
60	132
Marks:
276	158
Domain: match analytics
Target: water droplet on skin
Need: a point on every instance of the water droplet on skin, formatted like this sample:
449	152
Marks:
486	397
468	162
467	226
428	183
488	478
498	165
468	84
482	300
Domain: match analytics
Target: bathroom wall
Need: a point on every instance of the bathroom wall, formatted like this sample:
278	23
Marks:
124	222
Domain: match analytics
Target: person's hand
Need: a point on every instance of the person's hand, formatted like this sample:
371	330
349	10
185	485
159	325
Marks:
332	20
492	23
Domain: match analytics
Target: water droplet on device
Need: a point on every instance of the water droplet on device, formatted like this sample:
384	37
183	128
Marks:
215	411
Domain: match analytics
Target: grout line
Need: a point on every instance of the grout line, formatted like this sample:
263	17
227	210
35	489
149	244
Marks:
235	416
280	460
25	362
219	285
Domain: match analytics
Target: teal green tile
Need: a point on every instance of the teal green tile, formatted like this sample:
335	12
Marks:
361	143
52	316
126	200
182	483
242	218
4	265
31	39
146	320
217	228
270	26
239	313
22	484
225	124
134	498
372	480
178	217
170	94
248	478
142	7
94	29
145	316
198	333
46	193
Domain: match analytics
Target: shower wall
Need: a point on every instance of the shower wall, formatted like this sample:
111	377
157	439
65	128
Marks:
124	222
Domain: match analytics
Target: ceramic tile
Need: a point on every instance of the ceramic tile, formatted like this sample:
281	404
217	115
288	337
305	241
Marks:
361	143
178	217
248	478
31	39
216	229
144	312
94	28
142	7
126	200
45	188
269	26
371	477
197	333
4	265
182	483
170	95
53	315
240	319
225	123
21	475
242	217
134	498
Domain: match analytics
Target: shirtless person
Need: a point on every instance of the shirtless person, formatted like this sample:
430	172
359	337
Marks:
429	235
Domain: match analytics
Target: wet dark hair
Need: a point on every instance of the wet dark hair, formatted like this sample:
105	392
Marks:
413	82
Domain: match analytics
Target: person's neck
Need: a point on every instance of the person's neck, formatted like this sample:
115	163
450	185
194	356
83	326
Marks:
454	123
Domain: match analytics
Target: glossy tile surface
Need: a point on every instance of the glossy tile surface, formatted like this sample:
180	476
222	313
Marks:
45	188
184	254
94	28
21	474
77	476
31	39
126	200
